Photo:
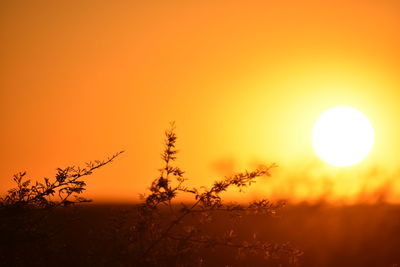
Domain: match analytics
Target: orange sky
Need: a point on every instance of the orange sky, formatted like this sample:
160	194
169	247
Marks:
244	81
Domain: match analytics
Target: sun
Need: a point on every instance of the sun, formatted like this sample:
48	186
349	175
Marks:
342	136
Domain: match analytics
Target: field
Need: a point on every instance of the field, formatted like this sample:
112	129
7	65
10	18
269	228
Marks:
358	235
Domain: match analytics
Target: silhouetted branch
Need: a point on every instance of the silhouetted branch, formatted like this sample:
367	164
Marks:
160	228
68	182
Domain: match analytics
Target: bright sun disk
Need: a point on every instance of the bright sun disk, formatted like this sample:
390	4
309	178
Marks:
342	136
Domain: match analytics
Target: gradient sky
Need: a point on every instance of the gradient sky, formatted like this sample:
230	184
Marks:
244	81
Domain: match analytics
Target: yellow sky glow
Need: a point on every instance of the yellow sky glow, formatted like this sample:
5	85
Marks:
244	81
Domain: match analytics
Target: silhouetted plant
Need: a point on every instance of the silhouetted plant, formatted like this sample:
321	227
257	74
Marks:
173	236
68	182
25	226
164	232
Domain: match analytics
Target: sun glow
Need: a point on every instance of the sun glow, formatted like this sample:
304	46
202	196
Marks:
342	136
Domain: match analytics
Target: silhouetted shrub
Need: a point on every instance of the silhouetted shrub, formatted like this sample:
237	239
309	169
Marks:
68	182
167	233
160	231
25	211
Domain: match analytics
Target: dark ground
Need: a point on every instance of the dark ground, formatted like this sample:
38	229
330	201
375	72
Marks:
359	235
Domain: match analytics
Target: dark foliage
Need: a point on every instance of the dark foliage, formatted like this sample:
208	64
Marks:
167	233
68	182
25	228
160	231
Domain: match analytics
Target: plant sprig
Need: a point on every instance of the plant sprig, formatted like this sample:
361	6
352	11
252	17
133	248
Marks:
67	183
